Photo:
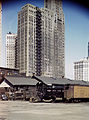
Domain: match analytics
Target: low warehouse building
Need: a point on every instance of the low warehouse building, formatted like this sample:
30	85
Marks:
38	88
68	90
18	87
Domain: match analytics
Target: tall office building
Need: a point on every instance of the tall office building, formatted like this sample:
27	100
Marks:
10	50
40	41
81	69
26	43
0	30
58	28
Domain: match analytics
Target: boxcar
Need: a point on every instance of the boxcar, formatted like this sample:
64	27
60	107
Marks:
76	93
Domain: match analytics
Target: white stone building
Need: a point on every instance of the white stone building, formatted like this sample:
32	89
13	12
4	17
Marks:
81	69
10	50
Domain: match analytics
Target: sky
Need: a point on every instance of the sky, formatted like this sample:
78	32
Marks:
76	29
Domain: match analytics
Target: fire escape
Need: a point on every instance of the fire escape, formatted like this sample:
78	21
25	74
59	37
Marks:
38	43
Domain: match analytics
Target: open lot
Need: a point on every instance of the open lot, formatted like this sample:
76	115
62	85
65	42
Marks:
19	110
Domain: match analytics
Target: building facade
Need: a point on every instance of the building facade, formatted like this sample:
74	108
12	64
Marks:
41	42
58	28
10	50
0	30
26	39
81	70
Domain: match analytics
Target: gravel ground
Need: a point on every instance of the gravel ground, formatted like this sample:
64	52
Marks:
19	110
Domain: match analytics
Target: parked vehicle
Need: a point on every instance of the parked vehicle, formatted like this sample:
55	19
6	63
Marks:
4	97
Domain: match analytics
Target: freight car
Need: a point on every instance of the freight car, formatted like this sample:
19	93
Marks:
76	93
50	89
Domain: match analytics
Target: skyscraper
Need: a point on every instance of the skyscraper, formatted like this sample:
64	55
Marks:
0	30
40	41
26	43
10	50
58	66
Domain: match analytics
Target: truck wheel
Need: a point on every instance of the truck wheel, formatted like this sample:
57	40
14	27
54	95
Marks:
33	100
49	100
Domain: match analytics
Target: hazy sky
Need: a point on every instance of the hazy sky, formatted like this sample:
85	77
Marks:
76	29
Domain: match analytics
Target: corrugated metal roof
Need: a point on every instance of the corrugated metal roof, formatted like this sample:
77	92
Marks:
20	80
61	81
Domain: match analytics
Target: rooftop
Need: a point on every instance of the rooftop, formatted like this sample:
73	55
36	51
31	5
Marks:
61	81
20	80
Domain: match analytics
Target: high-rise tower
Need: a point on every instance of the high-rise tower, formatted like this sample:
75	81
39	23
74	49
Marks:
10	50
40	43
26	39
58	26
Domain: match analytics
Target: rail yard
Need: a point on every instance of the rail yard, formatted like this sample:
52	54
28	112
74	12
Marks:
43	89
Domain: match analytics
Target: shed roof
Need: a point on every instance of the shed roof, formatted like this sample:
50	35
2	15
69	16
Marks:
20	80
61	81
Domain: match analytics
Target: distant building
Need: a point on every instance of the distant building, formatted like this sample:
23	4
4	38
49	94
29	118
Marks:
8	71
41	42
81	69
0	30
10	50
88	49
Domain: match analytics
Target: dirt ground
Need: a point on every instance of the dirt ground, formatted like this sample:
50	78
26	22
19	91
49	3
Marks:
19	110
